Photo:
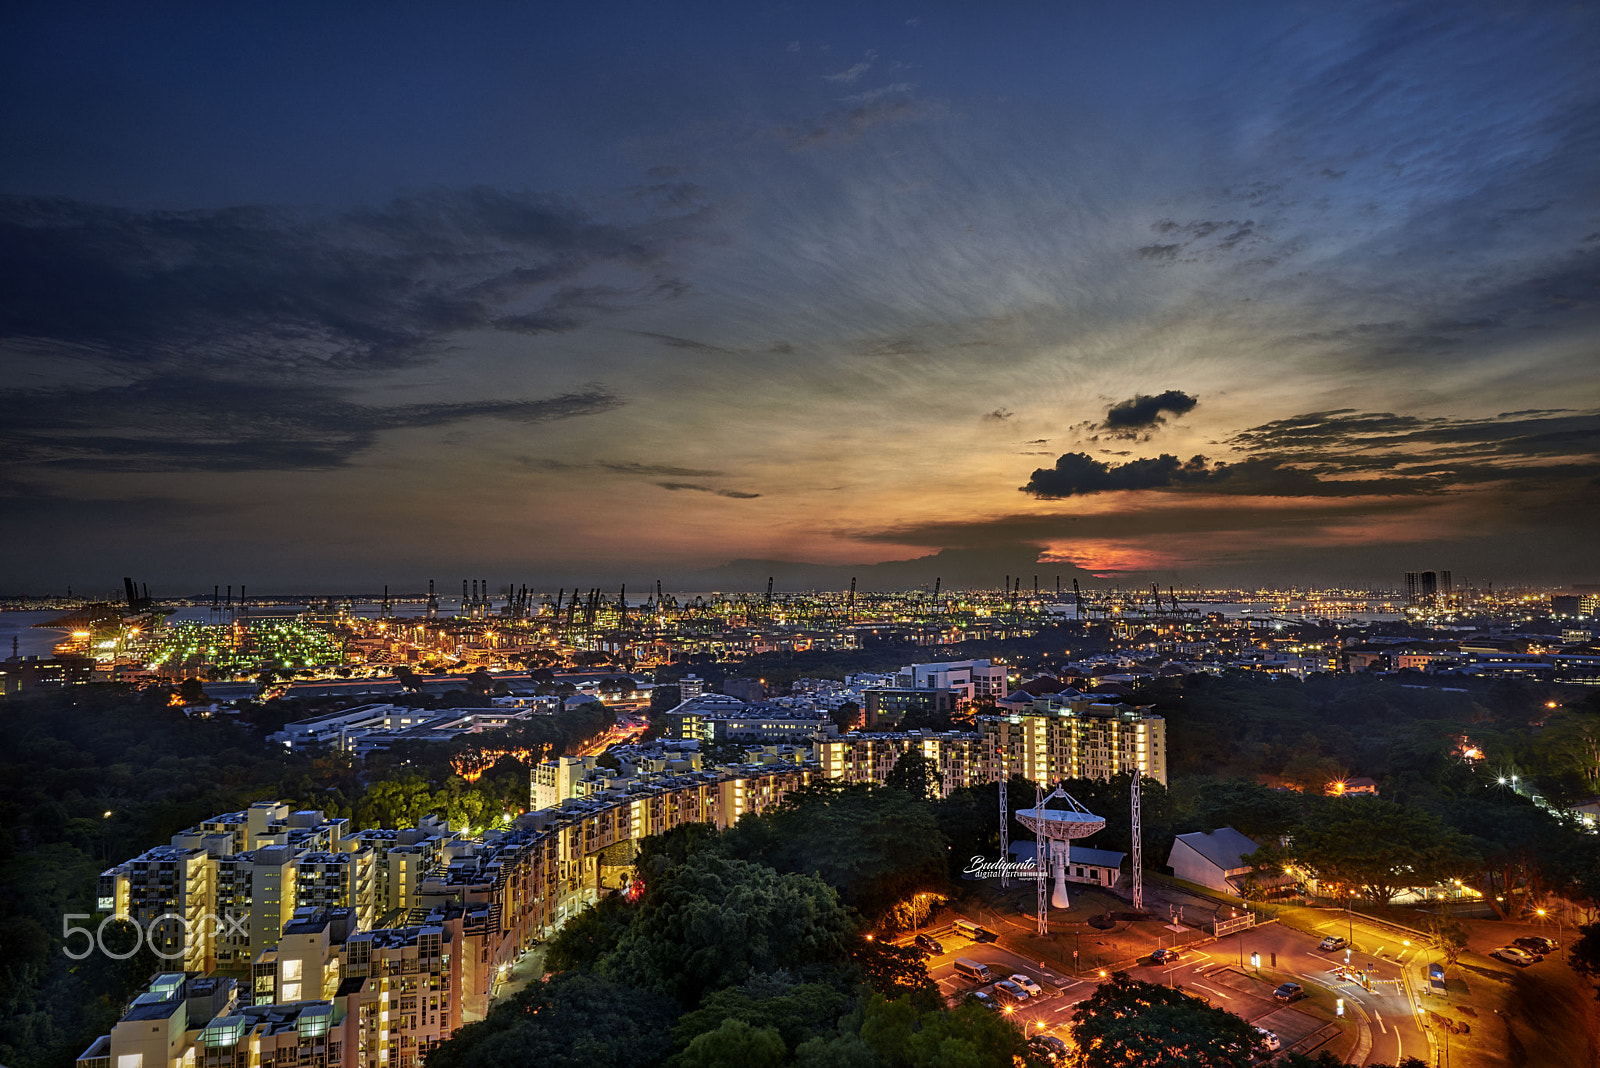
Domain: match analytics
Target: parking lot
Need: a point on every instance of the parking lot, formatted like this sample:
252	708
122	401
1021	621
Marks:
1203	971
1048	1013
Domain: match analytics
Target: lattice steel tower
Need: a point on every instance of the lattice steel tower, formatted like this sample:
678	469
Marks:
1138	848
1005	833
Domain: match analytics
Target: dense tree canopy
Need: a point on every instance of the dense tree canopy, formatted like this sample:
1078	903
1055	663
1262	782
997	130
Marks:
572	1020
917	775
715	921
1377	847
876	846
773	966
1128	1023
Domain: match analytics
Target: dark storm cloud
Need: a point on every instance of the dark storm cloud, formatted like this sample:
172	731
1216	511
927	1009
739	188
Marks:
1078	474
1141	412
1334	453
185	424
735	494
1333	435
277	290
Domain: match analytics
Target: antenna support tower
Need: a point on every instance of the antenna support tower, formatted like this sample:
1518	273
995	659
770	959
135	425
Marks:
1138	848
1041	851
1005	835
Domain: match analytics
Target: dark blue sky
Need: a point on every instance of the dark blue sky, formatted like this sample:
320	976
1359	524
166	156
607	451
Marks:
363	293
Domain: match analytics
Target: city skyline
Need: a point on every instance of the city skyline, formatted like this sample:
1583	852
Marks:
320	298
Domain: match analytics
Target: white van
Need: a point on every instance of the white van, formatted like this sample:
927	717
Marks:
971	930
973	970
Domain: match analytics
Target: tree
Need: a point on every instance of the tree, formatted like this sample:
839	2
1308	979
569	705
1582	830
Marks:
571	1020
920	717
734	1044
846	717
589	935
896	971
917	775
1128	1021
798	1011
1448	936
1584	956
714	921
1375	846
969	1036
875	845
1250	808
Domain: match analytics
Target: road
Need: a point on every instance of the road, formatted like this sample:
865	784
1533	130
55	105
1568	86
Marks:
616	735
1378	1024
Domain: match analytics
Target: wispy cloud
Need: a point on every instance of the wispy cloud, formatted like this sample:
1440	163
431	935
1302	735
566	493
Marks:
735	494
854	71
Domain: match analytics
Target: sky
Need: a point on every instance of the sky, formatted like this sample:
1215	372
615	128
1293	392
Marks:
310	296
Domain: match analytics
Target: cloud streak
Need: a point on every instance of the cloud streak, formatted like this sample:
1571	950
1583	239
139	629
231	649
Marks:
168	424
737	495
282	292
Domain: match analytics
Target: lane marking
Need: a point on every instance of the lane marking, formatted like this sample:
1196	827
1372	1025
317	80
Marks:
1376	1015
1219	993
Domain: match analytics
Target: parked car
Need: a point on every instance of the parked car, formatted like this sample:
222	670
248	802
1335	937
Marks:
1054	1048
1533	945
1550	944
1270	1040
1333	942
1515	955
1289	992
1166	956
1033	988
978	997
1006	990
929	943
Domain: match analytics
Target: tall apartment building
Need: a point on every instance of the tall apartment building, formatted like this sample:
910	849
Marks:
168	881
323	991
306	964
868	758
159	1029
1056	739
401	992
401	859
221	892
257	891
1076	738
341	880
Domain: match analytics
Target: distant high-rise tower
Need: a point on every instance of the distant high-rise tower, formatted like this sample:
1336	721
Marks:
1428	583
1411	587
